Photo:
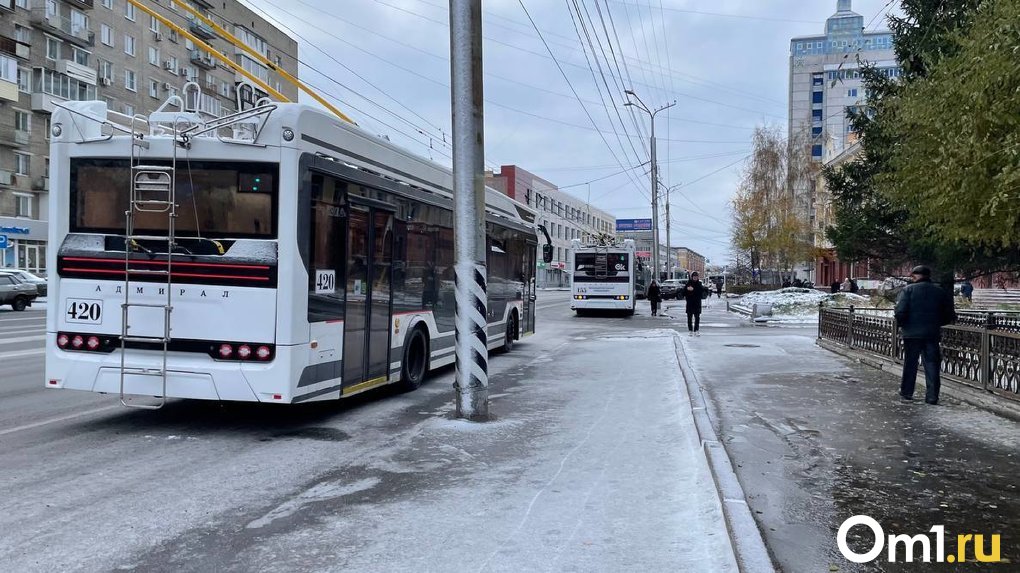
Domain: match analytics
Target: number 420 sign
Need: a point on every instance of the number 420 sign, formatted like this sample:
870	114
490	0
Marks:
84	311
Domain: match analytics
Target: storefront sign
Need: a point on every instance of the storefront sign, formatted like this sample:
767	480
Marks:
3	241
15	230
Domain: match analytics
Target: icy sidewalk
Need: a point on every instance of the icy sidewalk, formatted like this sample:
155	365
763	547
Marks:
594	464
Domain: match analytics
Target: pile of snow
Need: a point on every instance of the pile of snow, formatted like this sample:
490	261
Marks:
800	305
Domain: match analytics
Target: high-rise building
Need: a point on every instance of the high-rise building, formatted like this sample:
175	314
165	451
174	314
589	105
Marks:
825	81
564	216
58	50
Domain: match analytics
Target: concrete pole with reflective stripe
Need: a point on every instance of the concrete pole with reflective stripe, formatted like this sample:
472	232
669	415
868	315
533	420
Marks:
472	383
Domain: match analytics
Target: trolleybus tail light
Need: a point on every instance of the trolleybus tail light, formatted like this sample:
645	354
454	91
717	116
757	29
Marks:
84	342
78	341
242	351
62	340
92	342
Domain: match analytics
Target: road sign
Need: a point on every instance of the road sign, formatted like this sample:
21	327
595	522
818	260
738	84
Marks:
625	225
3	241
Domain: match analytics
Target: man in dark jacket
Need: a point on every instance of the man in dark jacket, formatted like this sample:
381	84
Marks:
654	296
694	292
922	309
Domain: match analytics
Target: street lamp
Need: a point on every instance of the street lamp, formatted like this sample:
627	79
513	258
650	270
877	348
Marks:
655	175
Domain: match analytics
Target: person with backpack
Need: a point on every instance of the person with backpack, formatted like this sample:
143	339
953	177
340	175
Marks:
654	296
694	292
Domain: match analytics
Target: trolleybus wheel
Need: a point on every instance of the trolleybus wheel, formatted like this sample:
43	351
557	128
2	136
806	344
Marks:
511	332
415	361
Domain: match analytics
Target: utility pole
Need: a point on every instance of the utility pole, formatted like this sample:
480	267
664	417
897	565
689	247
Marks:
655	178
472	377
669	246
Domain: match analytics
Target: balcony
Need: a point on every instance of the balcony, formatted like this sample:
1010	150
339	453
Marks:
7	5
203	59
82	4
43	102
77	71
62	26
201	30
9	137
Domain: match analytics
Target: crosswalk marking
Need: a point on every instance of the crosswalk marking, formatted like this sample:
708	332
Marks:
22	339
22	353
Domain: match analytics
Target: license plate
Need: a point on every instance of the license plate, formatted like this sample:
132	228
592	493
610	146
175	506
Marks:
84	311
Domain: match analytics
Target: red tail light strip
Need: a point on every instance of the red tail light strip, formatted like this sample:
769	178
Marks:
163	263
172	274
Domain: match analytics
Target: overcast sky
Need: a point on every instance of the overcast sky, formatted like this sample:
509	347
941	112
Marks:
725	62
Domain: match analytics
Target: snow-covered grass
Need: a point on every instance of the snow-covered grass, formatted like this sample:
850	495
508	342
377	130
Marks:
800	305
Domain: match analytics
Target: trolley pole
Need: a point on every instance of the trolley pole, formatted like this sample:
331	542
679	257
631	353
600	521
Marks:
669	245
472	378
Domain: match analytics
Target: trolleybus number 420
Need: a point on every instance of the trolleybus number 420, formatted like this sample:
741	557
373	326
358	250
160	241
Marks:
84	311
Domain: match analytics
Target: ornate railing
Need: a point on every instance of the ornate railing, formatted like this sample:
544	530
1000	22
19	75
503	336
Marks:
981	349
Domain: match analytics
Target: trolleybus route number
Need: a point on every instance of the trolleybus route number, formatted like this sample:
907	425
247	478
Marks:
84	311
325	282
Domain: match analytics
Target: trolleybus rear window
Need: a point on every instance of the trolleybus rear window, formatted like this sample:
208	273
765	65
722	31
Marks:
601	266
215	199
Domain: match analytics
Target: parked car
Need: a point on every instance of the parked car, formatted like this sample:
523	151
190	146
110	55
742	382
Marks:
669	288
27	277
16	293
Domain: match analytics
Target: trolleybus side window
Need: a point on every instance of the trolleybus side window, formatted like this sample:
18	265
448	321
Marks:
215	199
328	249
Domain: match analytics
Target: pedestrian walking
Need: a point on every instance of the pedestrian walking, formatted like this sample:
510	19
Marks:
654	296
845	286
694	292
718	289
967	290
834	287
854	288
922	309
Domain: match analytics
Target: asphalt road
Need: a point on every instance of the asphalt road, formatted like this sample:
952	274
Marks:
92	486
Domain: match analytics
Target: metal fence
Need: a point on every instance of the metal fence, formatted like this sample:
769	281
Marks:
981	349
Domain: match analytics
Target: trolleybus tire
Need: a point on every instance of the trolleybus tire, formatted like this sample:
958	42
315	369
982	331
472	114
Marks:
20	303
511	332
414	363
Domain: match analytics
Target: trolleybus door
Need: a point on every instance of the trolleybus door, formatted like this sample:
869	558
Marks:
368	313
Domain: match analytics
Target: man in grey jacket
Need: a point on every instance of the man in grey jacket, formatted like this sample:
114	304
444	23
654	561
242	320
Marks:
922	309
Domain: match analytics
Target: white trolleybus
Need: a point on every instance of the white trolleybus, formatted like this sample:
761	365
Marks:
273	255
603	276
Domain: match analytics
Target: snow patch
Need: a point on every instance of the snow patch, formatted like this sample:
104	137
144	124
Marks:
318	492
800	305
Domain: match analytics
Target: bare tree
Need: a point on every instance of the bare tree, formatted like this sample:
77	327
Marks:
769	222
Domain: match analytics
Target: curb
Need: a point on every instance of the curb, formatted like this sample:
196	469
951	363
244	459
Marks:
745	538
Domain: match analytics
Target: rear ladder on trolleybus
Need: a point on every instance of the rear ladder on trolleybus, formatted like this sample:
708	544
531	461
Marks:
152	192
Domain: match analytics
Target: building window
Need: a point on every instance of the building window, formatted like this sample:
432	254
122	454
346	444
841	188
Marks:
79	23
129	45
8	69
154	24
851	92
254	68
106	35
816	115
108	4
105	70
22	121
816	151
21	4
816	97
80	56
154	56
252	40
25	80
129	11
63	86
22	34
817	80
129	109
816	131
22	163
153	88
52	48
23	205
130	81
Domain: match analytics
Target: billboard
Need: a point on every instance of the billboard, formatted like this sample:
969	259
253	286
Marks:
625	225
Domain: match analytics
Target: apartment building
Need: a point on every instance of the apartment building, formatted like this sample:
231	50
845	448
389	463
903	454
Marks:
564	216
59	50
